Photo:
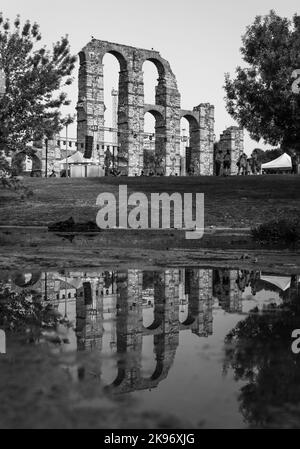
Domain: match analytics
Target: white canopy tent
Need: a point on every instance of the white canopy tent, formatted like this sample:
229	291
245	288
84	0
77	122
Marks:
77	158
282	282
80	167
282	162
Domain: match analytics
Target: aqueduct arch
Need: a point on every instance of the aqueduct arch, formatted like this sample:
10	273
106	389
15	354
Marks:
157	111
18	162
131	110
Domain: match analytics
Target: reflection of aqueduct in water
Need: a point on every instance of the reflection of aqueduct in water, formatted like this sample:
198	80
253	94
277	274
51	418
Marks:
131	110
123	300
127	309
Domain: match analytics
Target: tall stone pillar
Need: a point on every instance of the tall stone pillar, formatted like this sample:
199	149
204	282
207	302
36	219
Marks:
200	300
90	106
168	96
172	300
232	139
89	319
205	296
129	329
131	116
204	166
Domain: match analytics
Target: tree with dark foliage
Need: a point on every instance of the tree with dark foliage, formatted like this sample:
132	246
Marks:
260	97
259	352
34	78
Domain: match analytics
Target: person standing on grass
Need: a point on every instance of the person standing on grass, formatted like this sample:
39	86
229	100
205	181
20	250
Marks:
248	166
254	162
219	162
243	164
239	165
295	162
227	163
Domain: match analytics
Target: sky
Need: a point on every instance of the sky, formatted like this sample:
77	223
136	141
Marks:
200	39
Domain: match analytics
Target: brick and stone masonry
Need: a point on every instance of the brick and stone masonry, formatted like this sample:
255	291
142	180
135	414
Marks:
131	110
232	139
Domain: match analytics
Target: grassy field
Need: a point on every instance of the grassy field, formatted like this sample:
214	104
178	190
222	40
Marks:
229	202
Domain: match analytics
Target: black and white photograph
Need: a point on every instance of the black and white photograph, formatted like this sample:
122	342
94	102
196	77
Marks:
149	217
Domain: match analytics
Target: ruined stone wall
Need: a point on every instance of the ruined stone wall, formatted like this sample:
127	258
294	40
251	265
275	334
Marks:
204	163
201	122
131	110
232	139
90	105
205	296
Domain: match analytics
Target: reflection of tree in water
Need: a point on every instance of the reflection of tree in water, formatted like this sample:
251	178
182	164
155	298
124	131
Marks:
259	351
25	312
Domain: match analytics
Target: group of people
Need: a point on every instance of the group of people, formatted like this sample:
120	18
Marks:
223	163
246	165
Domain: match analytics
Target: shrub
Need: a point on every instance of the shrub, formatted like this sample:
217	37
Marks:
284	230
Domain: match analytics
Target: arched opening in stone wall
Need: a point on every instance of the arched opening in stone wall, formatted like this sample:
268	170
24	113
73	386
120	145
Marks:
149	144
150	77
183	311
108	370
159	365
123	131
148	310
190	137
103	99
111	69
157	318
158	313
189	318
148	315
184	146
160	85
148	298
154	143
121	376
114	98
27	162
188	314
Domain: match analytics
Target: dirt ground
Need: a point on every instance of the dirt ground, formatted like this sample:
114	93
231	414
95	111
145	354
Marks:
24	249
235	203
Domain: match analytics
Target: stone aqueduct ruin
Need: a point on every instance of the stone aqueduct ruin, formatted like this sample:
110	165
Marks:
131	110
130	128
